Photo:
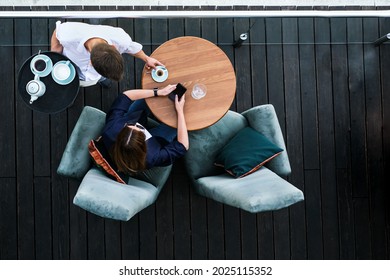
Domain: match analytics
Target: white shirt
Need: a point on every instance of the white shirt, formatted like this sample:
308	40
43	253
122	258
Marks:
73	35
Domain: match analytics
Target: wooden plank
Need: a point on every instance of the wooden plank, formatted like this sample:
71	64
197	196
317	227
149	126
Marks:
77	226
346	215
340	91
342	135
96	238
225	29
215	230
43	218
357	105
130	239
294	132
24	146
60	197
248	236
384	25
9	219
242	67
275	67
314	231
7	106
258	61
308	93
326	139
362	229
265	236
375	170
181	212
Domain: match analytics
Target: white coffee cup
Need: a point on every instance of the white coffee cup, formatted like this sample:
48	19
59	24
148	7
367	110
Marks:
61	72
41	65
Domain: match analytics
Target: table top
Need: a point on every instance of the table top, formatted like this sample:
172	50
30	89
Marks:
190	60
57	97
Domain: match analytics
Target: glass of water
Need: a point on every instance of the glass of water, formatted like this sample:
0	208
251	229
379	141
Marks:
198	91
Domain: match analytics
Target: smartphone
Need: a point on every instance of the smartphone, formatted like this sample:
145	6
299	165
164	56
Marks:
179	91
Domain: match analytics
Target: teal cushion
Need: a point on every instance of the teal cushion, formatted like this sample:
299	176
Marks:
263	119
262	190
205	144
107	198
75	161
246	152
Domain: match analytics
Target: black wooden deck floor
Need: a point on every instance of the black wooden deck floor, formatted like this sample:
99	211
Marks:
330	87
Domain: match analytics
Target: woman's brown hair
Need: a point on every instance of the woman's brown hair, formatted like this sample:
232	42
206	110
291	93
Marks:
129	151
107	61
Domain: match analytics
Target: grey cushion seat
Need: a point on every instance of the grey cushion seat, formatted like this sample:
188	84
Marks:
263	190
97	193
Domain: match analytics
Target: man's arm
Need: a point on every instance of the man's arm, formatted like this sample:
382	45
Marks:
55	45
150	61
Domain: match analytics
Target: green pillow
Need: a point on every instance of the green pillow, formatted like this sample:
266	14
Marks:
246	152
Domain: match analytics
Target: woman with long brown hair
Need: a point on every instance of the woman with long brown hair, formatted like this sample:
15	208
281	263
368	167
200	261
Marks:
132	145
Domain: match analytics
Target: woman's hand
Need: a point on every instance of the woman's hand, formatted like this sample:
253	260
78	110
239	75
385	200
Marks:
182	133
167	90
179	104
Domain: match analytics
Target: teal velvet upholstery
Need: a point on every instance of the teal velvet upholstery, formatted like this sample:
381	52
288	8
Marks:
97	193
263	118
107	198
75	161
206	143
262	190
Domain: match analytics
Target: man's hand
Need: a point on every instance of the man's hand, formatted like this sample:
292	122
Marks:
152	63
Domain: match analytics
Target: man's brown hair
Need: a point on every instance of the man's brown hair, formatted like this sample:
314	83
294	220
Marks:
107	61
129	151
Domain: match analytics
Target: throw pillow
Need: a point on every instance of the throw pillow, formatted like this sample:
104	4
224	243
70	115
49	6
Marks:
102	159
246	152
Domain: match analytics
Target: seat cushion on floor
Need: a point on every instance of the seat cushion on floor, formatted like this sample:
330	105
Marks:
107	198
262	190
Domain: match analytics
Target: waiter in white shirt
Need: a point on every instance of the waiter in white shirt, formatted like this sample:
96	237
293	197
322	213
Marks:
97	50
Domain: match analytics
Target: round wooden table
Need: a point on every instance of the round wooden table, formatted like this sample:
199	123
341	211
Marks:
192	60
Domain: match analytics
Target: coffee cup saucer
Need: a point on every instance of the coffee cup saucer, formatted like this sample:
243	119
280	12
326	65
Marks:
71	76
163	77
49	65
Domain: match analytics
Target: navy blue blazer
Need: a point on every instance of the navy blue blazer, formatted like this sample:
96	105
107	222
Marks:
159	152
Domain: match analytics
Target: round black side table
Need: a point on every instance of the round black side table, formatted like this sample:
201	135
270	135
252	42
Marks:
57	97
